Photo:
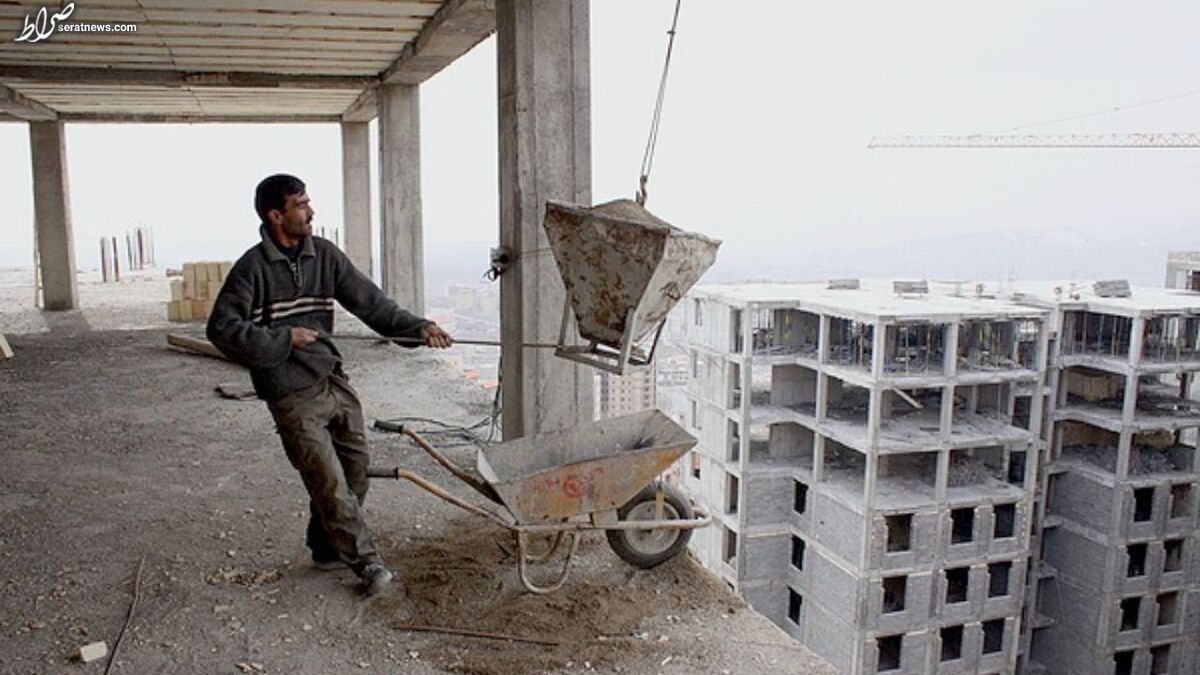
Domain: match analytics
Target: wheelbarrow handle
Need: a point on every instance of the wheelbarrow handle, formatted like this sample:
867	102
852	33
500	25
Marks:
437	491
479	486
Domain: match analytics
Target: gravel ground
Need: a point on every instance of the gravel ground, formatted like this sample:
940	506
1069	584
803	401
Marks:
116	450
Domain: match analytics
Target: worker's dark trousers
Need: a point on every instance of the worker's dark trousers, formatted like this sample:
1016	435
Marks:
323	433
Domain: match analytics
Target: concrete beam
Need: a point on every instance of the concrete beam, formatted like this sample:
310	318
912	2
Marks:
356	194
402	257
22	107
457	27
52	215
545	153
178	78
364	108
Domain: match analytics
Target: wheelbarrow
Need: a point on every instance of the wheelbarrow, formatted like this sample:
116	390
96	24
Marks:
598	476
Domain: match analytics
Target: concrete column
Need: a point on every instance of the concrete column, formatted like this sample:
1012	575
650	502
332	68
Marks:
52	215
1137	337
356	195
543	81
950	358
879	344
875	407
942	478
946	413
823	340
402	257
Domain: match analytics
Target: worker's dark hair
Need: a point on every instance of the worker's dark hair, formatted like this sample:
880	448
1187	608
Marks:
273	191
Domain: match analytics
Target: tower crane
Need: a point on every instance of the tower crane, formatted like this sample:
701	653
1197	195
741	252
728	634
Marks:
1163	140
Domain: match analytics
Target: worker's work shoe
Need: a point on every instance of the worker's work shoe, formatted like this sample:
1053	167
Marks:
327	564
376	577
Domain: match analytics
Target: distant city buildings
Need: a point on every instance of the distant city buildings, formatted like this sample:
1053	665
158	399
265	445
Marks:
623	394
471	311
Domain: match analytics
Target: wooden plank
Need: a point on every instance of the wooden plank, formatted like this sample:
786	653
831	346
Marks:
379	8
327	96
101	105
284	68
76	104
218	62
65	58
40	91
392	44
289	32
357	7
193	345
148	19
6	351
250	54
457	27
176	78
51	49
419	7
149	118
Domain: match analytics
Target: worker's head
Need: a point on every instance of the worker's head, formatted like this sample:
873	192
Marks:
283	206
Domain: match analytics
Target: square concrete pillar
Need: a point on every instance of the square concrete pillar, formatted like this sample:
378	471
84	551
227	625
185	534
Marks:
402	257
52	215
544	87
356	194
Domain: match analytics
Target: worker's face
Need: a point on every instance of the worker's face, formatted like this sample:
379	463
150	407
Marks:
295	220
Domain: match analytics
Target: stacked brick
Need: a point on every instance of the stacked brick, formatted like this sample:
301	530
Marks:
192	296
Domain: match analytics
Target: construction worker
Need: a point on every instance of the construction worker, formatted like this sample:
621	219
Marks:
274	315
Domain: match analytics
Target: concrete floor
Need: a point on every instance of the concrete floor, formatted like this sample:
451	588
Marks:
116	448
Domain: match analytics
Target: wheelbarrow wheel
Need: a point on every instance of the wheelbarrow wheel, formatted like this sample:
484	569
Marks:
649	548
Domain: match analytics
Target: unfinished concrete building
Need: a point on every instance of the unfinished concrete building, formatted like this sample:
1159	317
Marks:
1183	270
869	454
1116	562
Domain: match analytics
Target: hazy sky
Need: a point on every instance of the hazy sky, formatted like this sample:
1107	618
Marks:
769	109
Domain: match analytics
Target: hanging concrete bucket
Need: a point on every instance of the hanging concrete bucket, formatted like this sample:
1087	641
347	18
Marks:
623	269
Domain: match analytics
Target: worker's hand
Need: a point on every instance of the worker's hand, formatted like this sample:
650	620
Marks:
436	337
303	336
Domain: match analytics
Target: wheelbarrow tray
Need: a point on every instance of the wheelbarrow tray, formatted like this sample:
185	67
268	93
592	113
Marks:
599	466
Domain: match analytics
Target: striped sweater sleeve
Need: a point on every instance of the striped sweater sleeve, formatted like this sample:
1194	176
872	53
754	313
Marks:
362	298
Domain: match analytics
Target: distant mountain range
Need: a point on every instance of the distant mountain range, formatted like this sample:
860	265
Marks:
987	256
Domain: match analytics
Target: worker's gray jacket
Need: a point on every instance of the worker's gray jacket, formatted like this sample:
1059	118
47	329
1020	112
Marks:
265	295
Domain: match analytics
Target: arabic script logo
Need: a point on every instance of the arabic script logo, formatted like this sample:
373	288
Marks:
44	24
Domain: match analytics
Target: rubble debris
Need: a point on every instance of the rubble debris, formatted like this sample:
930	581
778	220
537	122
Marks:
1141	460
1093	385
967	470
244	577
93	652
6	351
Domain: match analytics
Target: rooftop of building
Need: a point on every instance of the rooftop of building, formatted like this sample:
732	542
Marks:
1081	294
875	299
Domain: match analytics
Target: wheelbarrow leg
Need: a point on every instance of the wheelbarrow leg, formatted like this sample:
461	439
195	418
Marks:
542	557
523	560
